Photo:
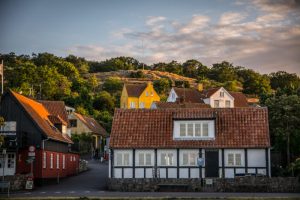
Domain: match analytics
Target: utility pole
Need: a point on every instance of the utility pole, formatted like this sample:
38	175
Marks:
2	74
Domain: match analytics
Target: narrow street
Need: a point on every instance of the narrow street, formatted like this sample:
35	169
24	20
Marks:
91	181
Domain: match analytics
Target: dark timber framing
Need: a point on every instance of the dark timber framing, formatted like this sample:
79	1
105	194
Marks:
155	168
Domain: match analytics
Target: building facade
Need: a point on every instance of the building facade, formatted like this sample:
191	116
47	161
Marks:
190	143
37	126
215	97
138	95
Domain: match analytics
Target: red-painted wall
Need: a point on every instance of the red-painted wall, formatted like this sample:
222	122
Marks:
39	171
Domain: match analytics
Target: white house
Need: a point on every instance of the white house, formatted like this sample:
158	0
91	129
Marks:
189	143
215	97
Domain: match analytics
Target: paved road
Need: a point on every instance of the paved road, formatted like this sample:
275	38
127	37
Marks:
93	184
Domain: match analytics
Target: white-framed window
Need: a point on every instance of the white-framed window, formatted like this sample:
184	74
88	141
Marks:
173	96
145	159
10	160
167	158
188	157
71	158
63	161
198	129
216	103
227	104
44	160
51	161
221	94
74	158
57	161
142	105
132	104
147	93
234	158
123	158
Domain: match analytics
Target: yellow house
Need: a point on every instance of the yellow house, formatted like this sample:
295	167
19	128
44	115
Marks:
138	95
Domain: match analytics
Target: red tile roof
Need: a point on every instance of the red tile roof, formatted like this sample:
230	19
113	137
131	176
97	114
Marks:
189	95
240	100
235	128
92	124
193	95
162	105
135	90
40	115
56	108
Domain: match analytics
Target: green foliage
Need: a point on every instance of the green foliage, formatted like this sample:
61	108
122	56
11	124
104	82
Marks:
105	119
83	141
162	86
2	121
284	120
113	84
223	72
104	101
234	86
137	74
294	167
184	84
285	82
194	69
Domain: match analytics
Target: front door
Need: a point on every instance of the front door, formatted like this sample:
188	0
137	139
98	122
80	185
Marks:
9	164
211	163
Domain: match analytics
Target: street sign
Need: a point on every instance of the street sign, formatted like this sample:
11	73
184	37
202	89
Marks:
29	183
31	154
31	148
200	162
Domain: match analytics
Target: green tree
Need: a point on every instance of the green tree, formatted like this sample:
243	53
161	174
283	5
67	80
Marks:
104	101
194	69
286	82
223	72
284	119
93	82
162	86
112	84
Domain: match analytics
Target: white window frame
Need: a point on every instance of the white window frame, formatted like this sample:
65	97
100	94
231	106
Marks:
227	106
142	105
169	162
189	153
11	160
147	93
181	133
132	104
123	154
215	105
144	154
57	161
51	161
222	93
235	153
44	160
63	161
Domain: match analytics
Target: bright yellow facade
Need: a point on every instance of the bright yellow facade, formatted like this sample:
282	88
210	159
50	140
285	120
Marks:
138	96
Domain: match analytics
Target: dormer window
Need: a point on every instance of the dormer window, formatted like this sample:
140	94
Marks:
221	94
147	93
194	129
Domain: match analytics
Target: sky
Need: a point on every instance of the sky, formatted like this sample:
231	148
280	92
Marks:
263	35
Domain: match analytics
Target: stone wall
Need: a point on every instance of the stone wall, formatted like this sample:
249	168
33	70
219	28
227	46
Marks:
83	166
240	184
17	182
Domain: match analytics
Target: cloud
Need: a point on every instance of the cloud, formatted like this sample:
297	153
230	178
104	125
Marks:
268	42
231	18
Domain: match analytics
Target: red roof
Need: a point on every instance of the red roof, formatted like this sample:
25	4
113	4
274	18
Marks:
56	108
40	115
189	95
235	128
135	90
193	95
162	105
92	124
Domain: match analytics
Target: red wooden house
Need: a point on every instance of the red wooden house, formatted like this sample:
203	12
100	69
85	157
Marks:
43	128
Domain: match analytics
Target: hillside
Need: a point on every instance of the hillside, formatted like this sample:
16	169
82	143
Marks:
125	75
